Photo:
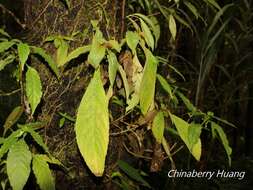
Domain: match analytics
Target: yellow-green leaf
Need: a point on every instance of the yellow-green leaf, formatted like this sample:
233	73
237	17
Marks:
13	118
97	51
224	140
62	52
194	132
33	88
41	52
6	61
172	27
77	52
132	39
125	82
6	45
147	87
92	125
42	173
18	164
158	127
147	34
113	66
23	53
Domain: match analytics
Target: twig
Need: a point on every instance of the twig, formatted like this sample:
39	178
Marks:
13	15
10	93
123	18
136	155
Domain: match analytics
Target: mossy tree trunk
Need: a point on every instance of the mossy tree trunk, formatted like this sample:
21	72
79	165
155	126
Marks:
52	17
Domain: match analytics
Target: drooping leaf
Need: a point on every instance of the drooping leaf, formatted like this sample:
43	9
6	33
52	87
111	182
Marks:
194	132
213	3
23	53
62	52
41	52
92	126
183	131
33	88
6	45
224	140
4	33
77	52
9	141
6	61
172	26
36	137
42	173
192	8
187	102
158	127
97	51
147	87
132	172
147	20
166	86
13	118
125	82
147	34
18	164
156	30
132	39
113	66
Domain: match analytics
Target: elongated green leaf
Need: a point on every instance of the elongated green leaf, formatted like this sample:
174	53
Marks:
147	20
18	164
124	79
113	66
132	172
158	127
6	61
192	8
187	102
147	34
42	173
183	131
13	118
213	3
6	45
92	126
33	88
4	33
9	141
41	52
172	27
165	85
132	39
36	137
23	53
97	51
147	87
194	132
156	30
224	140
62	52
77	52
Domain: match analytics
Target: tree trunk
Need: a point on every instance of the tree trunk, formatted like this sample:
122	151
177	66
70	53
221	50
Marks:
52	17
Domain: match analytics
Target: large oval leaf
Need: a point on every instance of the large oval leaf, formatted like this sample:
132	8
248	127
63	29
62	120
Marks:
18	164
33	88
132	39
92	126
147	87
42	173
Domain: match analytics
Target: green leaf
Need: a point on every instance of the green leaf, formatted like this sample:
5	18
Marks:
9	141
13	118
113	66
6	45
92	125
36	137
132	39
194	132
4	33
125	82
213	3
132	172
33	88
147	20
224	140
172	27
42	173
192	8
6	61
41	52
115	45
166	86
62	52
23	53
18	164
147	34
97	51
156	30
147	87
187	103
158	126
77	52
183	131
